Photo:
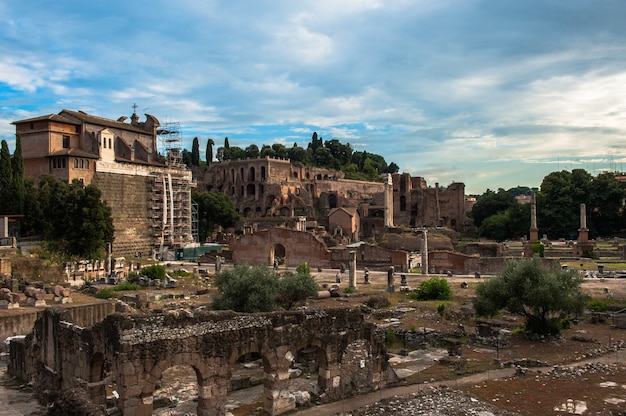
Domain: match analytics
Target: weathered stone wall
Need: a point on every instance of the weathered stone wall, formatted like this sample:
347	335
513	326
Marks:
129	196
21	321
299	246
140	348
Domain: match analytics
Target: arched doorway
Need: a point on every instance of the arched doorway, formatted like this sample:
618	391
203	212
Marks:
279	253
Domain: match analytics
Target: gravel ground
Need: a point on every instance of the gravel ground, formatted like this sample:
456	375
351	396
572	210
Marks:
439	401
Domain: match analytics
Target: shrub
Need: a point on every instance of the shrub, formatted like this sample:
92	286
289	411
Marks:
106	293
538	248
598	306
436	288
126	286
349	290
441	309
303	268
155	271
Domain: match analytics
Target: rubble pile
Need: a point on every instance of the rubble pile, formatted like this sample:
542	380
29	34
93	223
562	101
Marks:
436	401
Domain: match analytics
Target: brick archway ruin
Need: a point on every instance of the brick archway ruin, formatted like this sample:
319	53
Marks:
352	354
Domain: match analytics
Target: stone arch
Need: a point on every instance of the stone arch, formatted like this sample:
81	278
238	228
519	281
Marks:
251	174
285	211
278	252
332	201
209	384
263	174
251	189
246	212
316	358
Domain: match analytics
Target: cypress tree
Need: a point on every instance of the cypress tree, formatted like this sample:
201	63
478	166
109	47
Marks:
18	175
209	151
7	205
195	152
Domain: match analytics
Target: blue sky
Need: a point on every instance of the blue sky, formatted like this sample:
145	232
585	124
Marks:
494	94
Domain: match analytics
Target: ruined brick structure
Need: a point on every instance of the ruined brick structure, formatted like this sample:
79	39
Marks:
150	195
294	247
61	355
267	187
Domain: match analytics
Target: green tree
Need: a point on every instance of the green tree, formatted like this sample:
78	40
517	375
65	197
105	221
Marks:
33	222
195	152
214	209
252	151
435	288
74	217
543	295
491	203
341	152
246	288
91	224
7	191
295	288
209	151
185	158
18	175
297	154
154	272
558	202
267	151
605	207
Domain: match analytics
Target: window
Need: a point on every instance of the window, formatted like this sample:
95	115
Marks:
86	164
76	163
110	143
32	126
54	163
64	163
66	142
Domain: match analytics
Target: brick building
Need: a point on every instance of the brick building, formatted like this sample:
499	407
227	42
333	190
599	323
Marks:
149	194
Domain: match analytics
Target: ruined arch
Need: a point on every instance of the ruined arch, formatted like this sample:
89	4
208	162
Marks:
204	378
403	202
332	200
251	174
251	189
278	252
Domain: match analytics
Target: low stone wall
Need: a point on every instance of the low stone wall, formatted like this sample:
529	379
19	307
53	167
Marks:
20	322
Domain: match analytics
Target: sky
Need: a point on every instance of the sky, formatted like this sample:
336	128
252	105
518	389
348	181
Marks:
494	94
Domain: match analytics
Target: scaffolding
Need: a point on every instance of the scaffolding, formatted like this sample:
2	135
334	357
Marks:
171	211
171	143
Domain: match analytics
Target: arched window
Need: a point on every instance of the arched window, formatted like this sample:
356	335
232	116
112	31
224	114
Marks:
76	163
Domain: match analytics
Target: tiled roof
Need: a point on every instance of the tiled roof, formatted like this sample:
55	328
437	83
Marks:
73	152
101	121
51	117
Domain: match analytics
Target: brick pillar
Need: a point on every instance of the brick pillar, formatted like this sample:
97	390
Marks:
212	396
277	398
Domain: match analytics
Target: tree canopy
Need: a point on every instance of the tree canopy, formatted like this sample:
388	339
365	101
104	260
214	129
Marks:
73	217
214	209
331	154
543	295
250	289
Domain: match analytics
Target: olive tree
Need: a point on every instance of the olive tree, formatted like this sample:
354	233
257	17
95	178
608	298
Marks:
260	289
542	295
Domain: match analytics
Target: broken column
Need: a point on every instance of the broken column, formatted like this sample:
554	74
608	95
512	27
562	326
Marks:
390	283
425	252
534	231
34	296
352	269
8	299
388	201
583	231
62	294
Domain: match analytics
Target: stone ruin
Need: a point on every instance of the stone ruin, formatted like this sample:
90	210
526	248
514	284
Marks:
9	299
128	354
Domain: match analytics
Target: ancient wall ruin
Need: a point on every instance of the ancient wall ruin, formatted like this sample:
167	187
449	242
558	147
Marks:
60	355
